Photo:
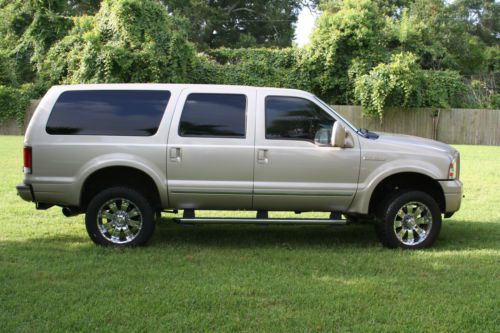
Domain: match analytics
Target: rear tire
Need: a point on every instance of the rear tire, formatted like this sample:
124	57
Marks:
408	220
120	217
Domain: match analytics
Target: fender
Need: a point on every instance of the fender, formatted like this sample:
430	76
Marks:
370	181
123	160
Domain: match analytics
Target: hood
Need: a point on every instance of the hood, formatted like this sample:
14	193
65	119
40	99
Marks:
414	141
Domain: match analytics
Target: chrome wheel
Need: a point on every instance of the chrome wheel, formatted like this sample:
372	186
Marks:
119	220
413	223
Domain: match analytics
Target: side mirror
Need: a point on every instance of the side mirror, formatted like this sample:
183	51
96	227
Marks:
338	135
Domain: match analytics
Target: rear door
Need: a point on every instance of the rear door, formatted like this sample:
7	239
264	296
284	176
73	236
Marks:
295	167
211	148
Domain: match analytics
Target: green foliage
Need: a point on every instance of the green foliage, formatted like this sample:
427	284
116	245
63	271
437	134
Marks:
353	33
7	69
388	84
440	89
237	24
355	46
495	101
257	67
13	103
28	29
401	82
126	41
480	95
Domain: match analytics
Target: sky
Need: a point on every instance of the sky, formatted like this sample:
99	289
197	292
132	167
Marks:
305	25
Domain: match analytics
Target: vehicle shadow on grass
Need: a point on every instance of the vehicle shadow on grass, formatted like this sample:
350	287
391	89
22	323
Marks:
236	236
455	235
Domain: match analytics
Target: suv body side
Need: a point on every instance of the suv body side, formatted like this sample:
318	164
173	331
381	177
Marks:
225	173
232	148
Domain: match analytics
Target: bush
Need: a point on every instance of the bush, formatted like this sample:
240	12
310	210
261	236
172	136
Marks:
13	103
255	67
388	84
401	82
7	69
126	41
440	89
495	101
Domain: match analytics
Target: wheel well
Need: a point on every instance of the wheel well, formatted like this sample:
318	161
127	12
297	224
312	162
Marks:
407	180
119	176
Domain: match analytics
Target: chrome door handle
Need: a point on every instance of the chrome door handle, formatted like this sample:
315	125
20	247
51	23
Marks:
175	154
262	156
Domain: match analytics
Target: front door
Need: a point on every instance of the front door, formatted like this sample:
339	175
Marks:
295	167
211	149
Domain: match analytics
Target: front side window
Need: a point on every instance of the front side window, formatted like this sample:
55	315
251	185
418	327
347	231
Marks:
108	112
214	115
294	118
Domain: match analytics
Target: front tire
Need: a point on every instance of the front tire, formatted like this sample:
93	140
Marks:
120	217
409	220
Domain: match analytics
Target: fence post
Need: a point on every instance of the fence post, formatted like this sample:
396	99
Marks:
435	124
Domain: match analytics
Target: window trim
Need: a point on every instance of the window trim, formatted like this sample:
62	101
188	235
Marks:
292	139
108	90
213	136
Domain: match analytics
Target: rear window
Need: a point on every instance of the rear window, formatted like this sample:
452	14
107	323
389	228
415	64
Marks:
214	115
108	112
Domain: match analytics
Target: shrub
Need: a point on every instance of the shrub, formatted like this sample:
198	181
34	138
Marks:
495	101
13	103
256	67
7	69
388	84
126	41
401	82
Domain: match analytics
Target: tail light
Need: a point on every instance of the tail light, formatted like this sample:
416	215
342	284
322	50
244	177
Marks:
28	160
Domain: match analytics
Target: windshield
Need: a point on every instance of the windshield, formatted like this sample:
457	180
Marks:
332	110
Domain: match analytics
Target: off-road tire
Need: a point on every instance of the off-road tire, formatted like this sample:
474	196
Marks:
136	200
386	224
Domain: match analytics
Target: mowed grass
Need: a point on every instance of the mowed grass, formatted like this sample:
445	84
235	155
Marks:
250	279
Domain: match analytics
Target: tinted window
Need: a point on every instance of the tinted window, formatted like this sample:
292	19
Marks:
214	115
297	119
108	112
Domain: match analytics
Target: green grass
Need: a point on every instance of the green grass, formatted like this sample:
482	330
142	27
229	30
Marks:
233	278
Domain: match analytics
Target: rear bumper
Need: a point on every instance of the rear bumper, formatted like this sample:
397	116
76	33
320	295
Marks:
452	190
25	191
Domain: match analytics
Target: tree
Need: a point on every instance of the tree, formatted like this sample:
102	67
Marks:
479	21
234	24
352	37
126	41
28	29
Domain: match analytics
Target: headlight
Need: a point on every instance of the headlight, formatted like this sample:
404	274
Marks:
454	168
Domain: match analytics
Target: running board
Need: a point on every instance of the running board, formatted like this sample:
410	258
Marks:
229	220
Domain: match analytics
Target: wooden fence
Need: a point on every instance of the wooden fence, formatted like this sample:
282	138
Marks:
455	126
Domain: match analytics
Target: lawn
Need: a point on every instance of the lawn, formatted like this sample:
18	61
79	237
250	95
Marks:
235	278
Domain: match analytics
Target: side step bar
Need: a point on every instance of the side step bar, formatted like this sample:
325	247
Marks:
224	220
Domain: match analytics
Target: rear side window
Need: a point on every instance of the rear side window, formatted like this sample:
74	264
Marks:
214	115
108	112
294	118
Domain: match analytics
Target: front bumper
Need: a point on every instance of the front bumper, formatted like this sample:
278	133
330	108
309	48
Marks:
25	191
452	190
